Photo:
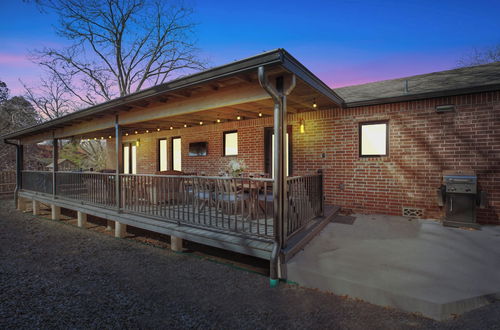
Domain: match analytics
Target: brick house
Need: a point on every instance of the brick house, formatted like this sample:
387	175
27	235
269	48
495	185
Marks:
374	148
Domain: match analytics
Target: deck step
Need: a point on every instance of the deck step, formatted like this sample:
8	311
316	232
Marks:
300	240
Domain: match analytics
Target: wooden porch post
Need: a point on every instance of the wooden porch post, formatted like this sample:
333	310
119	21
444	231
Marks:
19	171
118	163
279	162
55	168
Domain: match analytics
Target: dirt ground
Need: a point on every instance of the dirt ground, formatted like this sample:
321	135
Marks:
55	275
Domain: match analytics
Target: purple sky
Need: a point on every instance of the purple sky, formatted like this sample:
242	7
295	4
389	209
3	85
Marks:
343	42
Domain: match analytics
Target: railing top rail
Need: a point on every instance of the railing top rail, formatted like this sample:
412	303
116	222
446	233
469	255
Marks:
198	177
33	171
302	176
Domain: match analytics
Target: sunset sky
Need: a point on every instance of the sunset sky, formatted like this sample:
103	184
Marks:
343	42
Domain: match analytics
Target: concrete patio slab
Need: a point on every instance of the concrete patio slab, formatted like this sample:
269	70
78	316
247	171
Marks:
414	265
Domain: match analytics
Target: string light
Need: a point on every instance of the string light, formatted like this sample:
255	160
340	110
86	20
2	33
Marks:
201	123
238	118
102	137
171	128
314	104
109	137
147	131
136	132
260	114
185	125
95	139
158	129
218	120
126	134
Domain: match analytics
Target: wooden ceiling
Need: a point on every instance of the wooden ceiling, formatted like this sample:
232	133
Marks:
301	99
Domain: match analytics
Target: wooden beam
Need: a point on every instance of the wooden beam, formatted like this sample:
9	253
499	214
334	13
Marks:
219	99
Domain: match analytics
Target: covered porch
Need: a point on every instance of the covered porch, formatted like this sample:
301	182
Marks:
269	211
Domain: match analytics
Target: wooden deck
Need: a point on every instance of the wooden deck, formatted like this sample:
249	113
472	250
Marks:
257	246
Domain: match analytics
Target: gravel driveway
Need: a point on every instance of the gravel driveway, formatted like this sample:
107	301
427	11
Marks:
54	275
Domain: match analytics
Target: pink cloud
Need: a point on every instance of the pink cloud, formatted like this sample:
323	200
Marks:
14	59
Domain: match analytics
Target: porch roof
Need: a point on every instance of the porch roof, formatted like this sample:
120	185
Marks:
166	99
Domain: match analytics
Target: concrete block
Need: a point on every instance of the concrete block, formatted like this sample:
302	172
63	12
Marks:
120	230
55	212
82	219
36	207
176	243
21	204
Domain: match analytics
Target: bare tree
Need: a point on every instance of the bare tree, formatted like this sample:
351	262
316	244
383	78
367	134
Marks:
119	46
478	57
51	99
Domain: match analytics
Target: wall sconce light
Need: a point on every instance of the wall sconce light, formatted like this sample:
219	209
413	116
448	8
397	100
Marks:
314	104
302	126
138	142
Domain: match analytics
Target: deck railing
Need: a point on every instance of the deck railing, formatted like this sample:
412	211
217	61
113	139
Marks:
239	205
242	205
89	187
38	181
7	182
305	202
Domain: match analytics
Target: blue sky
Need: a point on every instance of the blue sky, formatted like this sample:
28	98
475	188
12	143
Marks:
343	42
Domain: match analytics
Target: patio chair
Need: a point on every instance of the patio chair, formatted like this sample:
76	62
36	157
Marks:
230	197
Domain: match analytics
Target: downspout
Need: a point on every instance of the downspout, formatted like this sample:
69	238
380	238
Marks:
278	95
19	164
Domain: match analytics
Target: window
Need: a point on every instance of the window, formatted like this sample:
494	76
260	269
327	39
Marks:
176	154
231	143
130	158
162	155
374	139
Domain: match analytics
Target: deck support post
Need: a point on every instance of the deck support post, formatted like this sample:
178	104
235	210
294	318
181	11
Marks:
55	167
55	212
36	207
81	219
176	243
120	230
21	203
279	94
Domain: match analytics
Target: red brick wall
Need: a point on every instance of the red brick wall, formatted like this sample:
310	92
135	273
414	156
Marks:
250	146
422	145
